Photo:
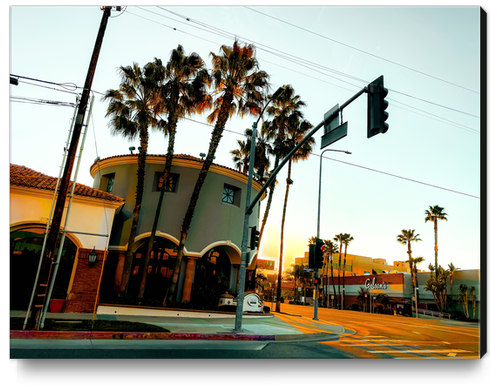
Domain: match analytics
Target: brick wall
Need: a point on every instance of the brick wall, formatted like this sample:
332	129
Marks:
81	298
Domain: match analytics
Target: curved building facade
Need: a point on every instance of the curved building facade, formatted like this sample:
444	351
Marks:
212	249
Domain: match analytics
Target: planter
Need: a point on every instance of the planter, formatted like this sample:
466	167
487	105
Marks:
56	305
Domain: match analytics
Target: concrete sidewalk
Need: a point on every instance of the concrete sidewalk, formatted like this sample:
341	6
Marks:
188	325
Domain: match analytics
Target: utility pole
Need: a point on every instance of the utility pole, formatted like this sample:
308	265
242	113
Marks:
44	272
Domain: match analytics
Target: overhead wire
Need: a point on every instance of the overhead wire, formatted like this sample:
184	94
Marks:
364	52
305	63
359	166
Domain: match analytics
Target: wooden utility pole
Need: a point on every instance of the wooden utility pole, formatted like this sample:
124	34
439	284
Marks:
44	274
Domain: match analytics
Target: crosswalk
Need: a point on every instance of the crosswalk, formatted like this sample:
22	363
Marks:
361	343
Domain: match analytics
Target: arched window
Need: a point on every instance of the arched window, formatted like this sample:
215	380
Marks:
25	251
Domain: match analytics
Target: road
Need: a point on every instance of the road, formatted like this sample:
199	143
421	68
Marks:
366	336
389	336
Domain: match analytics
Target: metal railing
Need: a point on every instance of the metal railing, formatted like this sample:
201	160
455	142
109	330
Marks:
434	314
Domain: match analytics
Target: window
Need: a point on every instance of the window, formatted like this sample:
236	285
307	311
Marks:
171	182
107	182
231	195
110	183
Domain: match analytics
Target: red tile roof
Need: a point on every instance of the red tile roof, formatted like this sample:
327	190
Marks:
25	177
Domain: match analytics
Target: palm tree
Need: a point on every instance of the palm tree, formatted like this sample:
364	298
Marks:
241	156
346	241
331	248
295	272
433	214
283	109
180	91
340	239
406	238
437	284
240	88
132	113
296	131
413	261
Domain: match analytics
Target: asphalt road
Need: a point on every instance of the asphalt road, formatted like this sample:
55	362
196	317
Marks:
388	336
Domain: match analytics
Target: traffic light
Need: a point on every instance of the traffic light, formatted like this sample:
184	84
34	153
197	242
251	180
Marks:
315	256
316	281
254	238
377	105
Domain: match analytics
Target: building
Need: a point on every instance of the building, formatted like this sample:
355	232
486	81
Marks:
356	265
213	245
88	228
397	292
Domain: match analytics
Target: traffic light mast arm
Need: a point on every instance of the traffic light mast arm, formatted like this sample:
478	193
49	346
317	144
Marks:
306	138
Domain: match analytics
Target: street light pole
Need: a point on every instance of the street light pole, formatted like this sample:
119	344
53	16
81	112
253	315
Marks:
315	307
244	252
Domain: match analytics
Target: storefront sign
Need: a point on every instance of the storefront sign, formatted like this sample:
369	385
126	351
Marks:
374	285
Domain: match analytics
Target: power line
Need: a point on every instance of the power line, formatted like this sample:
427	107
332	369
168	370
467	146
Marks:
362	167
292	58
364	52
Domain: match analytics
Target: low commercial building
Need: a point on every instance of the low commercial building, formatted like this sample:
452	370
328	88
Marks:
395	293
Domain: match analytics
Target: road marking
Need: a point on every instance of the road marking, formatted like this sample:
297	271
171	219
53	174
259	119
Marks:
419	351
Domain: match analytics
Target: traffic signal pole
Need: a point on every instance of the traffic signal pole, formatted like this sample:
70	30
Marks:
250	205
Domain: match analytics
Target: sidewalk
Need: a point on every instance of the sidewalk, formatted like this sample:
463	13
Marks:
187	325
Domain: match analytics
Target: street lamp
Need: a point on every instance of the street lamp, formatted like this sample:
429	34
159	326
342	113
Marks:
244	253
315	308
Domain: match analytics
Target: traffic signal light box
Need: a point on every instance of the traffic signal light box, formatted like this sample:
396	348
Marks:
315	255
254	238
377	105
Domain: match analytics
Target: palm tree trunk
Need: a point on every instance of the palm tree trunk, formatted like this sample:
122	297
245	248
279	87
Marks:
140	182
186	224
279	276
343	275
268	206
166	173
338	273
435	246
333	285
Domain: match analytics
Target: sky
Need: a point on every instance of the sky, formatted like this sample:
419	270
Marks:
429	57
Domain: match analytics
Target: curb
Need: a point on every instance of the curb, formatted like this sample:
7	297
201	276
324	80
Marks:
109	335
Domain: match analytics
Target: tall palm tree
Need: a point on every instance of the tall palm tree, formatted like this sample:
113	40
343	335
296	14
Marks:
240	88
241	156
346	241
407	237
413	261
180	91
296	131
340	239
331	248
433	214
132	113
285	108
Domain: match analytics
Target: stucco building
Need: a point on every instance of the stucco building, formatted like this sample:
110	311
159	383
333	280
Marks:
88	228
212	249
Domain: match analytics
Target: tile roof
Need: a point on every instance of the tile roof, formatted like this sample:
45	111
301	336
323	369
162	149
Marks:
25	177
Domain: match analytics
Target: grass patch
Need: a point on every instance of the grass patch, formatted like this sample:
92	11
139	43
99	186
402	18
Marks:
88	325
